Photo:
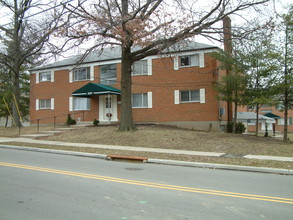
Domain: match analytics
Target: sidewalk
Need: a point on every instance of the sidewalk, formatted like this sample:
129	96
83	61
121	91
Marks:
144	149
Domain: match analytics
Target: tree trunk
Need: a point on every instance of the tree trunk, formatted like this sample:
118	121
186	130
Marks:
286	99
15	106
126	120
235	117
285	137
228	48
16	64
6	122
256	122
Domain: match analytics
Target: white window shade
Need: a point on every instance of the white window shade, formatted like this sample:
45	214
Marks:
194	60
81	103
140	100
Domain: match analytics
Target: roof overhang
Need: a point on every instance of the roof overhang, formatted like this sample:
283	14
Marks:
92	89
272	115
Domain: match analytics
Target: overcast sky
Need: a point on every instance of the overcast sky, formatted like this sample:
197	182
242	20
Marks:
264	12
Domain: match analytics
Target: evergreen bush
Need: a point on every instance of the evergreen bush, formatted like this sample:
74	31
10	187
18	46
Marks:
96	122
240	127
70	121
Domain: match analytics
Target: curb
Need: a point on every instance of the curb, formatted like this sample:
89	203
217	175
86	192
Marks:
222	166
52	151
160	161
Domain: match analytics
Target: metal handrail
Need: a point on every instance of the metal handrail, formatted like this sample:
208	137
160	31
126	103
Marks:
54	119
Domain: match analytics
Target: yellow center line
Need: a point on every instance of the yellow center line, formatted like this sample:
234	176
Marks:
150	184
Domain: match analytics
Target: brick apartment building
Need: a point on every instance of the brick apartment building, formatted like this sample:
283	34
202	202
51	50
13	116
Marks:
272	112
174	88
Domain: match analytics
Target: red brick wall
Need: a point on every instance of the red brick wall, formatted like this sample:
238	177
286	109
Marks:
165	80
162	83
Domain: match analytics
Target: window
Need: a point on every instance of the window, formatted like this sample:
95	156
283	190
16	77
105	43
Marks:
82	73
108	102
140	100
45	103
192	60
45	76
108	74
266	111
81	103
190	96
140	68
281	121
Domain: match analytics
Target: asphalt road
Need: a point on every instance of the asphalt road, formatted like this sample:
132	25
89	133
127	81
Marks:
47	186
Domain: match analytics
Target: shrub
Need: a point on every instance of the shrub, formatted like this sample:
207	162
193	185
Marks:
96	122
70	121
240	127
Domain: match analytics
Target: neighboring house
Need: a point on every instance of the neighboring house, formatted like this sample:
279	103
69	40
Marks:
273	113
174	88
249	120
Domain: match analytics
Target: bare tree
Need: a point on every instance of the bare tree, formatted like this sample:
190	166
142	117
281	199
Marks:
145	27
23	39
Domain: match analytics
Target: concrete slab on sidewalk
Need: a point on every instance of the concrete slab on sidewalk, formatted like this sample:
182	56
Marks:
37	135
115	147
261	157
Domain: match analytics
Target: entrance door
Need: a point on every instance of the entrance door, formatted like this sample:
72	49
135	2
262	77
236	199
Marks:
270	126
108	108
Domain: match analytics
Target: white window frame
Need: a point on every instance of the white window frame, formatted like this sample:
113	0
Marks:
47	79
108	81
74	72
177	96
141	66
193	60
146	97
281	121
189	96
46	102
84	106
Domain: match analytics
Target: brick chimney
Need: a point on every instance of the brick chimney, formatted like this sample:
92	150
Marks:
227	34
228	48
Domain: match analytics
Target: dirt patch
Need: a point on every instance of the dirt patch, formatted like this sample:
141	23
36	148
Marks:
167	138
172	138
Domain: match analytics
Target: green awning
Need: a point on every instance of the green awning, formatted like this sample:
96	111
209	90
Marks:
91	89
271	115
